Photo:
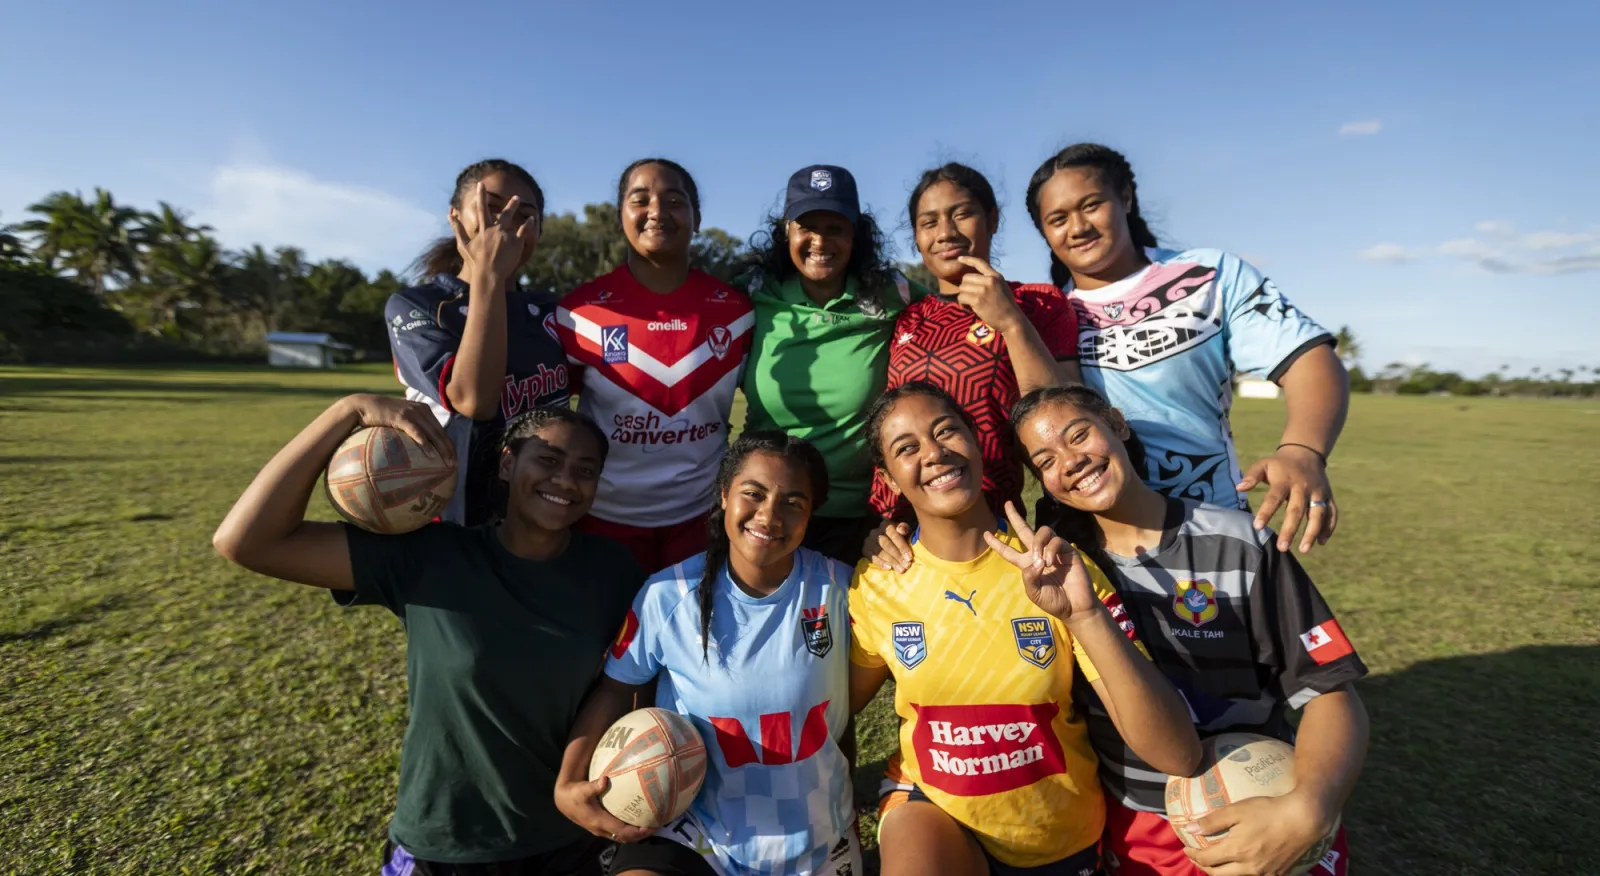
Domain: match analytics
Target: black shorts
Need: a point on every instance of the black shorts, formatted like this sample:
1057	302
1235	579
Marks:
840	538
1084	863
663	856
581	858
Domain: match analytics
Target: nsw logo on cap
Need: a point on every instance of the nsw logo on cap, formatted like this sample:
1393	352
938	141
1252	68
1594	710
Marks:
822	180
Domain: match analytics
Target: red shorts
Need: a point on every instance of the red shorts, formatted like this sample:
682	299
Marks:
1144	844
655	547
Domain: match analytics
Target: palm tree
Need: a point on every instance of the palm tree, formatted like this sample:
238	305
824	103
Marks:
13	250
59	230
1346	346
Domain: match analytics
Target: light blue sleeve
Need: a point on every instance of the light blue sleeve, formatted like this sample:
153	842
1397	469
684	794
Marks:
635	656
1265	333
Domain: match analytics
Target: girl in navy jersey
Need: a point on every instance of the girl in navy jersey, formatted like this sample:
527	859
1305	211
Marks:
1231	619
981	338
659	349
470	342
1162	334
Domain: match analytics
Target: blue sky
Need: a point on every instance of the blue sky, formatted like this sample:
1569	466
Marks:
1422	172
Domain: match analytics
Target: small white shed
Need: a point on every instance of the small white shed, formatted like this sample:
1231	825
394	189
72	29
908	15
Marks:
302	349
1255	387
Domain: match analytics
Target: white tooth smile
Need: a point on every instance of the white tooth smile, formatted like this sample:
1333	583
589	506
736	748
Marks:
758	536
945	478
554	500
1088	484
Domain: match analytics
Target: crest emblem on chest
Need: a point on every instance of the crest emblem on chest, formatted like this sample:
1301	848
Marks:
814	629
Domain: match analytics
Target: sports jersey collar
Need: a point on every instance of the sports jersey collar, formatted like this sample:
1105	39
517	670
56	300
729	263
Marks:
970	565
1177	512
791	292
454	285
1112	290
778	595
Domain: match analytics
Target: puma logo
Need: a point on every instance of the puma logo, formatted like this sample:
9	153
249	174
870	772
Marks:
950	594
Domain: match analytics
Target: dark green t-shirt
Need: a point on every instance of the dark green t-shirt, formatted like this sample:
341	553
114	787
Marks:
499	654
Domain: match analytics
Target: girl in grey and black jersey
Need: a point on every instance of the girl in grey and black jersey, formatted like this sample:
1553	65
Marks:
1231	620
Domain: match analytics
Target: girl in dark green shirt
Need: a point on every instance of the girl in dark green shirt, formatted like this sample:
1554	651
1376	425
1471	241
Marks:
506	627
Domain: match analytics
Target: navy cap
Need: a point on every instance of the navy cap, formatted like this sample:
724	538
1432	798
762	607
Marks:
821	187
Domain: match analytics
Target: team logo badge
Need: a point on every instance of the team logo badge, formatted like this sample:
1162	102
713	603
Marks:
907	337
550	324
1196	602
1036	642
630	628
964	600
719	338
910	648
980	334
1113	310
814	627
614	343
822	180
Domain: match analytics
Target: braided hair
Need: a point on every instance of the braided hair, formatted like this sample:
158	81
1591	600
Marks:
1113	170
1078	527
796	452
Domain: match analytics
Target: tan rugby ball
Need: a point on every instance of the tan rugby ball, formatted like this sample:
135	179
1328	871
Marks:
656	761
1234	767
382	481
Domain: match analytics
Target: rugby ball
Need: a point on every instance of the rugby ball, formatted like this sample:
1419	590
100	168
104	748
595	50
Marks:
1233	767
382	481
656	762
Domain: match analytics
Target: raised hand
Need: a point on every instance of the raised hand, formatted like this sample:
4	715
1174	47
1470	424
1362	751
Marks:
1052	572
501	244
1297	481
985	292
889	547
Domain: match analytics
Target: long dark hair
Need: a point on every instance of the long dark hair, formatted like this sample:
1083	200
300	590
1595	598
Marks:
1078	527
879	412
795	451
442	257
1114	171
870	265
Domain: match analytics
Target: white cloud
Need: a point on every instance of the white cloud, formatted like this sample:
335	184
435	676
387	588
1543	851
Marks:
1386	254
1497	228
278	206
1360	129
1506	251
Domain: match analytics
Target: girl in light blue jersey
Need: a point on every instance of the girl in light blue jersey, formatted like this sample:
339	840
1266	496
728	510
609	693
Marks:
1161	334
750	641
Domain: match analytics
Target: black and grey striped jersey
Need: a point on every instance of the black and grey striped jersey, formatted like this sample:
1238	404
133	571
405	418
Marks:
1234	623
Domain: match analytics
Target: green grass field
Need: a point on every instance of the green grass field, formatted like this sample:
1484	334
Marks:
162	712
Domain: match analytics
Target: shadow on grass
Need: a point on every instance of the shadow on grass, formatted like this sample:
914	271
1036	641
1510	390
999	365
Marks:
1482	764
80	387
61	623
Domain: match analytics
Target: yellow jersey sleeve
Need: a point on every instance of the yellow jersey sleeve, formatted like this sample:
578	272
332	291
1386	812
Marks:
864	636
1113	602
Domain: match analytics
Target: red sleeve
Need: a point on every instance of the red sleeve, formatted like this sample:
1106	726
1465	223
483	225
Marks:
1052	315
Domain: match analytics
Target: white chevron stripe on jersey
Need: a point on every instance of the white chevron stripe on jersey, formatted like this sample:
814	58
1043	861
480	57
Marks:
668	375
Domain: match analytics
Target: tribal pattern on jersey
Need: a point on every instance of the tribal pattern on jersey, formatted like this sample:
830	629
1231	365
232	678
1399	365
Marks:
1164	344
658	373
777	795
943	343
1236	626
983	687
425	326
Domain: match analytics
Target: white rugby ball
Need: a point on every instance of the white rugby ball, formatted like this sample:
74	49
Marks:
656	762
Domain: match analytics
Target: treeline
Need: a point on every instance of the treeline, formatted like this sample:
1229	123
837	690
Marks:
1400	379
92	279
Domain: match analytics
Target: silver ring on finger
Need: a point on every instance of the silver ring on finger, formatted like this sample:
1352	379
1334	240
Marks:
1318	503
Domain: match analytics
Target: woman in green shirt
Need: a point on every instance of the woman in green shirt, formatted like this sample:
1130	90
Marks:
826	296
506	626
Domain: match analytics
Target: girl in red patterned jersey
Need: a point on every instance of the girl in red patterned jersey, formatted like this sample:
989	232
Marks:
984	340
985	636
657	349
1232	620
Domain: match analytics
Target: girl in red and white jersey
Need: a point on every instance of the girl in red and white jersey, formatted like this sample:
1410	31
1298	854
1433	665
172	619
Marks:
658	349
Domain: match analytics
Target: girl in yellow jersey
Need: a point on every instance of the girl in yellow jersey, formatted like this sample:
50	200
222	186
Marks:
983	634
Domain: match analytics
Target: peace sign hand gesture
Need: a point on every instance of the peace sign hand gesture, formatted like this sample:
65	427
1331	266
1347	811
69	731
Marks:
1052	572
499	247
